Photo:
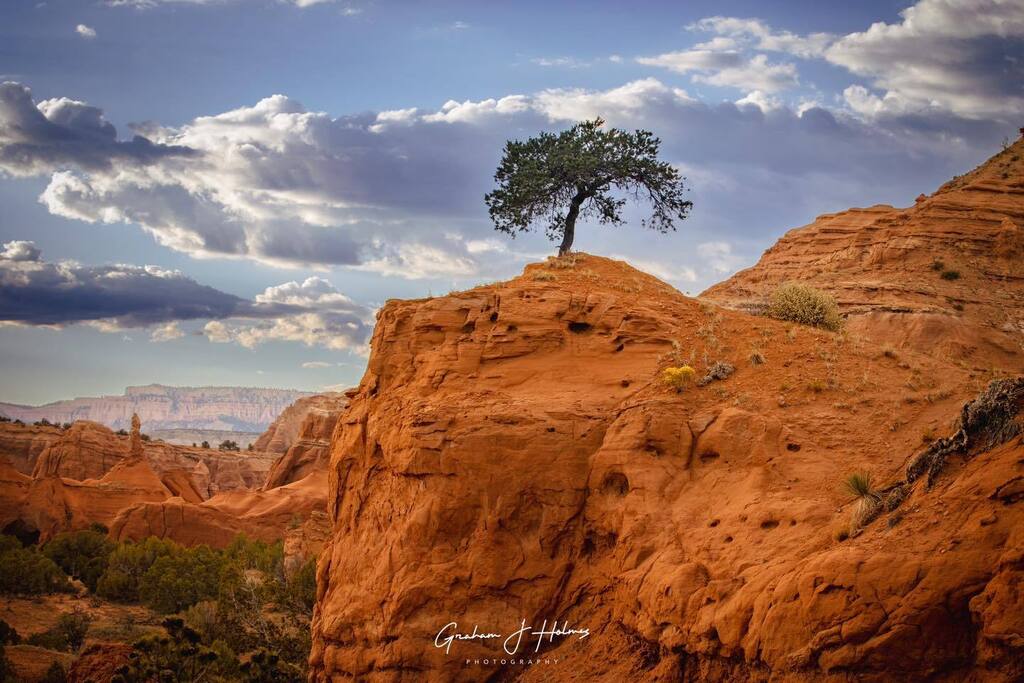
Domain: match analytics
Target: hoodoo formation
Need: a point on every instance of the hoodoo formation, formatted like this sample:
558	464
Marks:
512	454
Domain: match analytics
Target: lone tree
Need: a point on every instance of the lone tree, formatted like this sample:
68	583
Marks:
558	178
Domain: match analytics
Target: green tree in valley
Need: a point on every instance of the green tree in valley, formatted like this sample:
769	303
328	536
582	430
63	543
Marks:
585	171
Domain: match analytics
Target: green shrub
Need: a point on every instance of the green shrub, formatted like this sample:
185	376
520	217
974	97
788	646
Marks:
81	554
178	656
26	571
800	303
67	635
950	275
299	591
128	564
181	578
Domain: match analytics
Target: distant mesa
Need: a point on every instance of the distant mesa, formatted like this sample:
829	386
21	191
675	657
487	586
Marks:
161	407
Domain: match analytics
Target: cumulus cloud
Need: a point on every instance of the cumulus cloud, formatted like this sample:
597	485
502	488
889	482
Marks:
59	133
166	332
728	68
326	318
85	31
733	32
966	56
116	297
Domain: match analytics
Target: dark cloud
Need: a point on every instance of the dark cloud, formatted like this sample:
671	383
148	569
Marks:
36	292
64	133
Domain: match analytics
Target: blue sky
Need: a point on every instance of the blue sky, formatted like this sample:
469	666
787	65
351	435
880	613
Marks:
302	162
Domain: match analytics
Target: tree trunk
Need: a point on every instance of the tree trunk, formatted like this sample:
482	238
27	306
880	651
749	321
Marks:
570	226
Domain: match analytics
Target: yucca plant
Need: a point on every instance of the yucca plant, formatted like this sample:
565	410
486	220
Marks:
868	500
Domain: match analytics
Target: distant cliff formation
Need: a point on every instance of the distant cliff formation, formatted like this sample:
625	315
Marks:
245	409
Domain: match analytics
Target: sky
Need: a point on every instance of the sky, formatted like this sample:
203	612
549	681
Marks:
223	192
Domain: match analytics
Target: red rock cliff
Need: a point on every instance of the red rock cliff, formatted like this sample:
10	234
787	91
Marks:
512	455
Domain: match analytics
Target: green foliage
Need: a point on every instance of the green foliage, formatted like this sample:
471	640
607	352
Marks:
81	554
181	578
299	590
859	485
267	667
26	571
556	178
800	303
127	565
67	635
178	656
228	445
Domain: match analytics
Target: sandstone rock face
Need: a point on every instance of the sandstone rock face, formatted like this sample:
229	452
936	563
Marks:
511	454
946	275
163	407
22	444
87	450
264	515
310	449
288	426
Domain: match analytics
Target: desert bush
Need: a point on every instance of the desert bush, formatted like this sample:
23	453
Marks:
800	303
950	275
678	377
756	357
298	592
81	554
228	445
938	265
26	571
67	635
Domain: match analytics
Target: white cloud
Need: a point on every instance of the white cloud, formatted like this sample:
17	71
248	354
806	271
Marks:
316	364
718	255
728	69
762	101
85	31
965	56
166	332
326	318
733	32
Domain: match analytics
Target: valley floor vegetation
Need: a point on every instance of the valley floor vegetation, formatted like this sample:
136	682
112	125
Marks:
229	615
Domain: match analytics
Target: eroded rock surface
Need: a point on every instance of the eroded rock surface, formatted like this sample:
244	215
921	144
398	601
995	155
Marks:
511	454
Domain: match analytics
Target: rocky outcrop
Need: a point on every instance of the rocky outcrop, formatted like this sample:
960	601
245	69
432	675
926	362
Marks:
512	457
288	426
944	275
21	444
86	450
265	515
163	407
310	449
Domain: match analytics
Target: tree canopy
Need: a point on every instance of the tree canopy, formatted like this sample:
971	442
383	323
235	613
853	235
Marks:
586	171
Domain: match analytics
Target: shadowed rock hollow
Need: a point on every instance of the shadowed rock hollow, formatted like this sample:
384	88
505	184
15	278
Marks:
512	454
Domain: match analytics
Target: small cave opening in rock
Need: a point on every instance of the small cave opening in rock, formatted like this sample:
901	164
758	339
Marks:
769	524
469	327
494	317
579	327
616	483
792	447
708	456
